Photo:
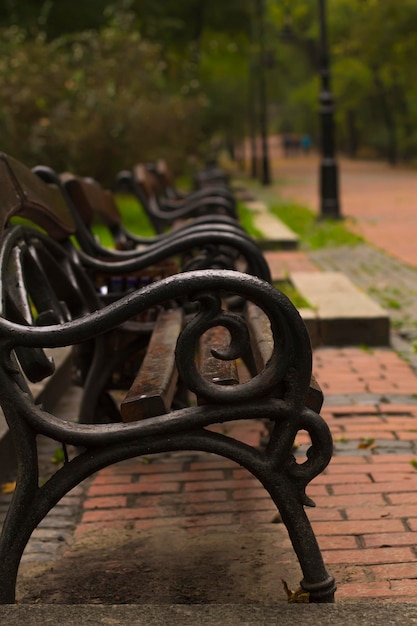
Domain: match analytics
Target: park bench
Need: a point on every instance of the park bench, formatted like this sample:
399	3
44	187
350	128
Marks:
164	212
202	244
169	191
211	175
48	300
196	245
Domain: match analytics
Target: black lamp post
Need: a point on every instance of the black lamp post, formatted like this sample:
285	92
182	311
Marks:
252	120
263	105
329	179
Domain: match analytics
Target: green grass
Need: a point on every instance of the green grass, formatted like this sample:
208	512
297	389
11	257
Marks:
386	298
292	294
246	221
103	235
314	233
134	219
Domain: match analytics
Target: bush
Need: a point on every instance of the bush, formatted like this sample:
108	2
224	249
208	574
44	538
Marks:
94	102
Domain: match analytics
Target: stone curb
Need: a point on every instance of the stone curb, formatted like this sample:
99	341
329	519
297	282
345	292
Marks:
365	613
342	314
276	234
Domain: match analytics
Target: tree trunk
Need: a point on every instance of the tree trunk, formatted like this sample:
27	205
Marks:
389	119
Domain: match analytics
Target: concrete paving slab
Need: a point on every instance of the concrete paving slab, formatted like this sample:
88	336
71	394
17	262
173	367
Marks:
347	316
276	233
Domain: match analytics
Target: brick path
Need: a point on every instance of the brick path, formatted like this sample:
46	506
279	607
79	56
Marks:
370	487
366	514
378	199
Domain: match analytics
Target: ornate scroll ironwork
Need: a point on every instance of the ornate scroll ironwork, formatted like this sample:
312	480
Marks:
48	301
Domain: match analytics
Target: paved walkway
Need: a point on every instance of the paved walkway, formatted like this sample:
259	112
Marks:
366	514
378	200
370	395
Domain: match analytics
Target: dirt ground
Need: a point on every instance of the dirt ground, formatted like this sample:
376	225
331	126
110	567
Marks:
165	567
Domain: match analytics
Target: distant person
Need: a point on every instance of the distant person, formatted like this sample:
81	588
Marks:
286	144
291	144
305	143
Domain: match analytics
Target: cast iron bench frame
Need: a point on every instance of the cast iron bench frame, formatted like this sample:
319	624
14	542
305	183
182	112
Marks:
164	213
38	274
205	243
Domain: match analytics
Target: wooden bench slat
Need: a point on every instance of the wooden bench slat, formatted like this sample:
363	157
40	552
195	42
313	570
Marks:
261	335
212	369
262	347
154	387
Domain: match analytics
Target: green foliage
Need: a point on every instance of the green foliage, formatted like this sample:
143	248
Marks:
112	82
54	17
94	103
223	74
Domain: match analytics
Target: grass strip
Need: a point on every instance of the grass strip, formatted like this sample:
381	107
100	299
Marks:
315	233
288	289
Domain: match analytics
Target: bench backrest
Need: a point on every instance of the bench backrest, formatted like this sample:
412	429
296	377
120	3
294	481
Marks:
165	177
91	200
25	196
92	203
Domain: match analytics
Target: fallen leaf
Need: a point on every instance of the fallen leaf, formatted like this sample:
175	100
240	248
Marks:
299	596
8	487
367	444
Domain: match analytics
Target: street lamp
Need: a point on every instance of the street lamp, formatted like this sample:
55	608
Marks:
263	105
329	180
252	120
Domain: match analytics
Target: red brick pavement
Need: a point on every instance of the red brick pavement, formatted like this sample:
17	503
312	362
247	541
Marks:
281	263
365	519
366	513
359	371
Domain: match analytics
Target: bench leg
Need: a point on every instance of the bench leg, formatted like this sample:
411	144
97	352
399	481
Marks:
21	517
11	550
317	581
286	481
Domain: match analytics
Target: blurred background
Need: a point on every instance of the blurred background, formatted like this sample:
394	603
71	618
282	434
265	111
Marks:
94	87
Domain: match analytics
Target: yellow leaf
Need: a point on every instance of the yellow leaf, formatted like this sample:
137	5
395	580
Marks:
299	596
8	487
367	444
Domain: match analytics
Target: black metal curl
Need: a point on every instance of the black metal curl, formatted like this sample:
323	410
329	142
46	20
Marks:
319	452
214	315
211	315
211	257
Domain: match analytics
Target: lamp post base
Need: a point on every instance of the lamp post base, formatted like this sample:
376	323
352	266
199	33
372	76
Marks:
329	186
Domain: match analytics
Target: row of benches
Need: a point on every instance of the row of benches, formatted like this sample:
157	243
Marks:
170	322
